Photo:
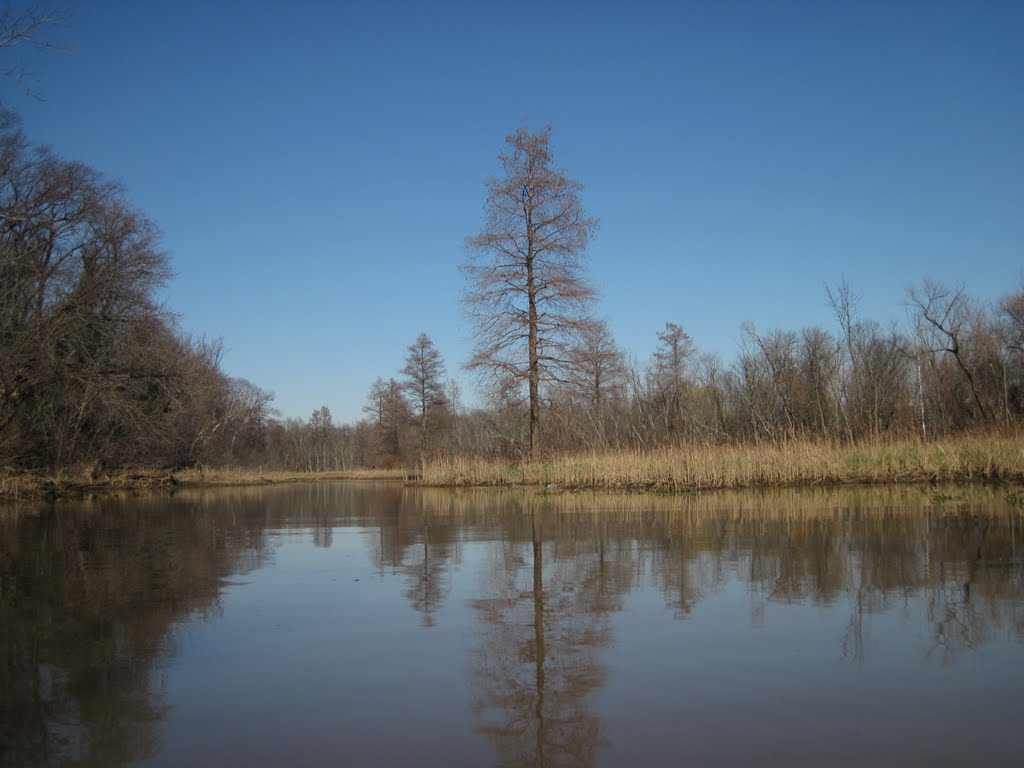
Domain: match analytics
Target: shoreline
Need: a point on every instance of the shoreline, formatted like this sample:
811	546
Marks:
39	487
985	459
47	491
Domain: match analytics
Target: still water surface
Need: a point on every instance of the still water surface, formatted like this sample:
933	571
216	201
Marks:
356	624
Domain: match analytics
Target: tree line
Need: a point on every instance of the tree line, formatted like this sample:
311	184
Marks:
554	379
956	366
94	370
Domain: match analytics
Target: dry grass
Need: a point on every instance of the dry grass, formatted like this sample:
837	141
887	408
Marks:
960	459
207	477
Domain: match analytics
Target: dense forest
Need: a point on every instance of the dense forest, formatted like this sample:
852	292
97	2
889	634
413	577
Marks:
95	374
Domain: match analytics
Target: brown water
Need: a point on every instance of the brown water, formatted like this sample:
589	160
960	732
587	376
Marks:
371	625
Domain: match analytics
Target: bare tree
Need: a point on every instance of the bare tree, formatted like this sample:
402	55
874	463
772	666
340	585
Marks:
819	365
1011	320
874	375
779	352
389	411
598	376
944	317
241	411
1011	312
670	375
424	372
527	296
712	411
321	425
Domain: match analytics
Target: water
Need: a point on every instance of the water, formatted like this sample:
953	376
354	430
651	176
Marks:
373	625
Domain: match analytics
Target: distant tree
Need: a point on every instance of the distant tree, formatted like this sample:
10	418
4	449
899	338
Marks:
527	296
1011	311
712	403
244	414
321	427
376	402
669	374
947	320
424	373
598	374
779	354
390	413
1011	319
819	364
874	375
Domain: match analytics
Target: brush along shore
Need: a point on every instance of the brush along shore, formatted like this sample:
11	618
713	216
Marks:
71	484
960	459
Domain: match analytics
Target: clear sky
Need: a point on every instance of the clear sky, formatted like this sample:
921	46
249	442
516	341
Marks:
316	166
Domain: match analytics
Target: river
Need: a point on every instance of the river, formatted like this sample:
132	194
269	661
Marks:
370	624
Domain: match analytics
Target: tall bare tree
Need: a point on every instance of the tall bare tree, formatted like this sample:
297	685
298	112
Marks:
527	295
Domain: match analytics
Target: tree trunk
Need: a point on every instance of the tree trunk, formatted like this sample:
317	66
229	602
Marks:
534	362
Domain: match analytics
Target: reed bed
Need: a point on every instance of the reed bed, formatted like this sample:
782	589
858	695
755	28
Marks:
959	459
968	458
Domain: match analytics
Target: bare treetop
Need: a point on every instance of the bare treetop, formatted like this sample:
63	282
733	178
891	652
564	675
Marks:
535	210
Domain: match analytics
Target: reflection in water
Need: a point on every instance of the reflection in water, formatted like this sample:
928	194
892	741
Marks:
94	597
536	667
89	600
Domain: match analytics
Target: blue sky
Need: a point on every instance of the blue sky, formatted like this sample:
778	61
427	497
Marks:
315	167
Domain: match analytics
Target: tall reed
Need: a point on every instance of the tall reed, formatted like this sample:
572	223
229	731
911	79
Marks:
801	462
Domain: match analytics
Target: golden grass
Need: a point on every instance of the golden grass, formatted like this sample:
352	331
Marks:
261	477
965	458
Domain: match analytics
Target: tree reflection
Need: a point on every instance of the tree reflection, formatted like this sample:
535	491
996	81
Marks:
968	605
544	616
84	640
876	550
427	570
416	540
